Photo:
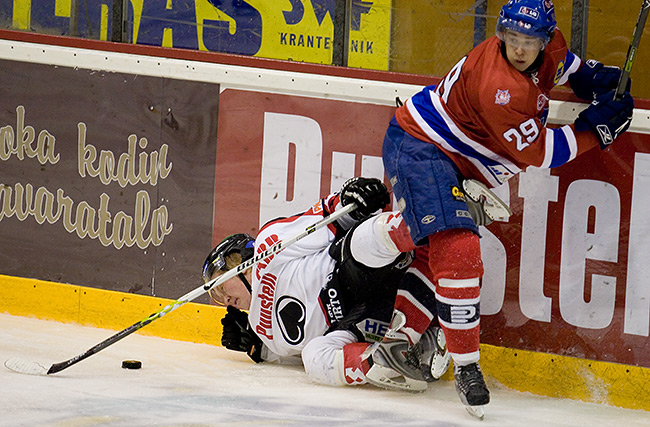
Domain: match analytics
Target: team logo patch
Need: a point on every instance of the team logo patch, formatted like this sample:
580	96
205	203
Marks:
533	13
502	97
291	314
559	72
428	219
459	314
548	6
541	101
605	134
457	194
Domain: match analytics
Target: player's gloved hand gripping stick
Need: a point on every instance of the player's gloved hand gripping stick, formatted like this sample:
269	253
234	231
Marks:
23	366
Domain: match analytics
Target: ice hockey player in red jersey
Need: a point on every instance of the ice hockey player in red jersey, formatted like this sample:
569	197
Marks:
322	300
486	120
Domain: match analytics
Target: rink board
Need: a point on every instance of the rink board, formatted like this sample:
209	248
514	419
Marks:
99	308
539	373
564	293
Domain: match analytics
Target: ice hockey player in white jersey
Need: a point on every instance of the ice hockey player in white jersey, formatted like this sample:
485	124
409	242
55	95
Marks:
324	299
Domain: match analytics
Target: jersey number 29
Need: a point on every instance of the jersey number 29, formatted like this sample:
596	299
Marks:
528	130
522	136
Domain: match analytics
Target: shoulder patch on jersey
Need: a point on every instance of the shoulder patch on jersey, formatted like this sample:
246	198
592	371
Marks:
541	101
559	72
502	97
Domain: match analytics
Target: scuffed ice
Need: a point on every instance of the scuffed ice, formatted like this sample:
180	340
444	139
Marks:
186	384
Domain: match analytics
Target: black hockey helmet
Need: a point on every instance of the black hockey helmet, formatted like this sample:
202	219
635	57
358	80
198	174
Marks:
241	243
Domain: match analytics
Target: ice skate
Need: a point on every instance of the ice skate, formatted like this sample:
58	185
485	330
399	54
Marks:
471	388
492	205
393	365
432	353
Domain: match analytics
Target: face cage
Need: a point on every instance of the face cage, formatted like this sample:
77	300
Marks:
521	27
212	292
537	44
214	299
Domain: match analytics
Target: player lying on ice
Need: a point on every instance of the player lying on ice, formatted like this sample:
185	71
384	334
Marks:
305	302
486	121
312	301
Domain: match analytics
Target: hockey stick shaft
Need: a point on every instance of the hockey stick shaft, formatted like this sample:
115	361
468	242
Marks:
631	52
190	296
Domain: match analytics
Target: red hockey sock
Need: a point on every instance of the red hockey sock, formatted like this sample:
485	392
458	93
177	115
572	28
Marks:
415	297
455	260
355	363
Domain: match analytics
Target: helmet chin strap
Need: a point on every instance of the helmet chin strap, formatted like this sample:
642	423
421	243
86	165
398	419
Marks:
245	282
537	63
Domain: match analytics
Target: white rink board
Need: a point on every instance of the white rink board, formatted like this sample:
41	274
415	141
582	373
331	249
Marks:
255	79
196	384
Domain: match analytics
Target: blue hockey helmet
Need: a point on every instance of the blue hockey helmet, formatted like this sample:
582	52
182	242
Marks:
534	18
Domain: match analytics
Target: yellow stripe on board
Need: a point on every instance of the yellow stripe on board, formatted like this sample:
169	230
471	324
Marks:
568	377
539	373
199	323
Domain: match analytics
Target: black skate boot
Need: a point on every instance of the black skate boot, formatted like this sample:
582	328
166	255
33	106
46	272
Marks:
471	388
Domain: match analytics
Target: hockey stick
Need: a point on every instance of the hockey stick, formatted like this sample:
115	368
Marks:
26	367
631	52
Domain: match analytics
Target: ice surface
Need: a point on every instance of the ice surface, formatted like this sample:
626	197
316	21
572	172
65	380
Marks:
185	384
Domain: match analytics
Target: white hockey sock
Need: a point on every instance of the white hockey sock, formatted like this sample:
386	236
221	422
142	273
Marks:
371	245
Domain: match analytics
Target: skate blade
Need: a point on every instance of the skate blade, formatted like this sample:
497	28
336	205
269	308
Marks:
439	365
476	411
23	366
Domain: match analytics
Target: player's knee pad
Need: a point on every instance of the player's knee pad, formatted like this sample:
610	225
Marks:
396	230
379	240
455	254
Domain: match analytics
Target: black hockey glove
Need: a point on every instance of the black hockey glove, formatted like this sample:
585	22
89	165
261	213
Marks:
238	335
595	79
606	117
370	195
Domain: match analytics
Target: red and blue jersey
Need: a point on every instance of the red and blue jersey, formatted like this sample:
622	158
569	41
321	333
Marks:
490	118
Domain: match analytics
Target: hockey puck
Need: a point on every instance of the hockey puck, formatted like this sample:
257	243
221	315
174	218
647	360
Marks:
131	364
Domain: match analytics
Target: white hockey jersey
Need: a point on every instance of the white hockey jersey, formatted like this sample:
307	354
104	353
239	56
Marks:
285	311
